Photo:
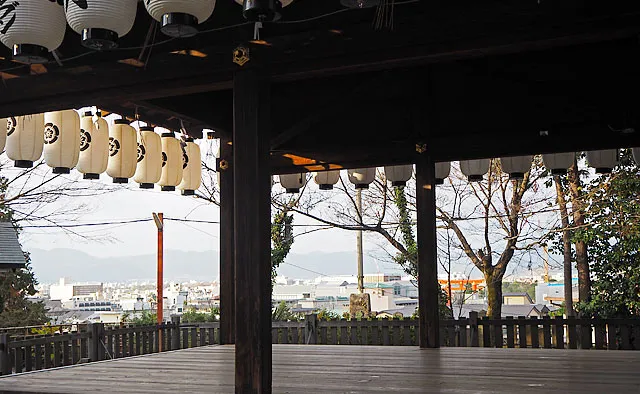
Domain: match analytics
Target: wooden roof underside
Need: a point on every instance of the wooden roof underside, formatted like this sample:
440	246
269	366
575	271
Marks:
469	79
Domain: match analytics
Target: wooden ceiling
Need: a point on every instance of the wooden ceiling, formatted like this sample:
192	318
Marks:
467	78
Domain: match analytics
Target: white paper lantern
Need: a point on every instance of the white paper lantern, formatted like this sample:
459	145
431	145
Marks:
284	2
558	163
101	22
191	169
442	171
603	160
94	146
149	168
266	11
32	28
123	146
293	182
180	18
61	140
3	133
326	179
516	166
25	139
636	155
398	175
475	169
362	177
172	162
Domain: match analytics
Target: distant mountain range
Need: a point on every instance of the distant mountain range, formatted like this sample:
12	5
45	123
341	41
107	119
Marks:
50	265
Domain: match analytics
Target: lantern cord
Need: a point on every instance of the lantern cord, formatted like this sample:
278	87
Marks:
150	34
57	58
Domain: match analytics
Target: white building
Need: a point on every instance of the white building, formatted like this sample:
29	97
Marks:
65	291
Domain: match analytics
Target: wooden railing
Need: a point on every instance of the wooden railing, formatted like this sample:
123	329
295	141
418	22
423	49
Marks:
557	333
97	342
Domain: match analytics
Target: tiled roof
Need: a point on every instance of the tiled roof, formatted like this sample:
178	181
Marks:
10	251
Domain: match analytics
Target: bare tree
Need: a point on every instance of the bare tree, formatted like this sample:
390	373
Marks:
578	208
35	196
495	214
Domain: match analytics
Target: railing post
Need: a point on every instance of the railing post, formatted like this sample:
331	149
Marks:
311	329
175	333
5	367
473	328
96	349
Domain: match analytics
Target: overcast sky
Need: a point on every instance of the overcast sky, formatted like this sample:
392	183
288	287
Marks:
130	203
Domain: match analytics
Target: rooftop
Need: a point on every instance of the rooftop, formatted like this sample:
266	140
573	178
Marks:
11	256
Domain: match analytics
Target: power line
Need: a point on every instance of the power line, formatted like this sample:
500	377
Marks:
305	269
87	224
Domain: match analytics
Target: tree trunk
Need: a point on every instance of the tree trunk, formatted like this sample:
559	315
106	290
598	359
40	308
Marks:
566	243
494	294
582	261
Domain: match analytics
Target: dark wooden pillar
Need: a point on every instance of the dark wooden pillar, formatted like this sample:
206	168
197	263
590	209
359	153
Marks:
252	184
428	287
227	246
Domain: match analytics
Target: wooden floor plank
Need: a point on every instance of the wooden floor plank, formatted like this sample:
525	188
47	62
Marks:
353	369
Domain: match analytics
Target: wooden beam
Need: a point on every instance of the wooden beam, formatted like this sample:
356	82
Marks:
428	287
460	33
227	244
252	185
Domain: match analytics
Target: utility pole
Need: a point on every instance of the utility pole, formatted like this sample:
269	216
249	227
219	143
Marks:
546	263
359	242
159	220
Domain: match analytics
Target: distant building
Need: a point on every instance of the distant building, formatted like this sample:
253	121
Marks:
381	277
64	291
553	293
507	310
11	256
516	299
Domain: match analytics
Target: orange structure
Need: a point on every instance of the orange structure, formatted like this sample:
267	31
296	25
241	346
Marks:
463	284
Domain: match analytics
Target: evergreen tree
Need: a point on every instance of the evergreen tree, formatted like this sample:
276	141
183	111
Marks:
16	285
281	240
612	235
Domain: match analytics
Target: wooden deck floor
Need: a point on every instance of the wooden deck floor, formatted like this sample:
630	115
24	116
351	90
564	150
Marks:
352	369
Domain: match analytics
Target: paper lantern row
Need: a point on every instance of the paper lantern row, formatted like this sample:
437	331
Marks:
603	161
361	178
91	145
33	28
558	163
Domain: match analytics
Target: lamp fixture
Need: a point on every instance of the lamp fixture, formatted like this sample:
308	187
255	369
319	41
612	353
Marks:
359	3
180	18
263	10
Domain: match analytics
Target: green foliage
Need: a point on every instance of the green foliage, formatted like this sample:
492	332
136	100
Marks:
146	318
281	240
15	309
408	260
193	316
443	308
17	285
520	287
326	314
6	213
613	241
283	313
558	312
